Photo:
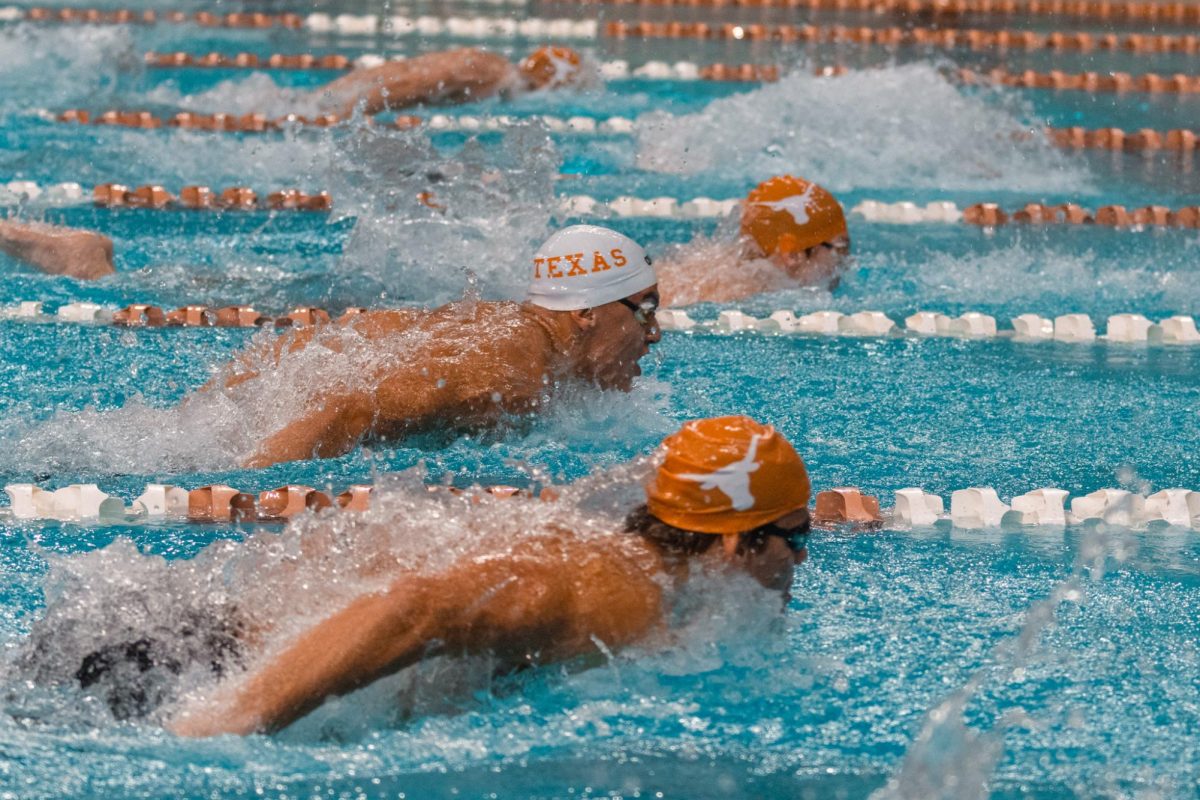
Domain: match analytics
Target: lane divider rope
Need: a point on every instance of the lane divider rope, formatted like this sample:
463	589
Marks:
972	325
977	508
991	215
1129	10
1058	80
114	195
611	70
208	19
258	123
146	315
901	212
1073	328
1144	140
346	24
972	38
567	28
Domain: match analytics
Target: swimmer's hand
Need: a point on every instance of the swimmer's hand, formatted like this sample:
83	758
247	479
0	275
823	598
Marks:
57	250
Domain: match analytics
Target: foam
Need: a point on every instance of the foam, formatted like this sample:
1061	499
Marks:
902	127
498	202
254	93
1023	273
61	66
183	157
715	269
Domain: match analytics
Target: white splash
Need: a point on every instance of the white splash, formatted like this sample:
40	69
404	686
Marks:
902	127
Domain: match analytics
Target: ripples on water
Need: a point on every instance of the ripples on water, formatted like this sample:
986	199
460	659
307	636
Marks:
950	664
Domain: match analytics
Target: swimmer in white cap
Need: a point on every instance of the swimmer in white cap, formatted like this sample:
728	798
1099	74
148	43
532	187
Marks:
730	498
588	316
58	250
451	76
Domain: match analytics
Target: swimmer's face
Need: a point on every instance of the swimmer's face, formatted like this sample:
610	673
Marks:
816	266
770	561
616	339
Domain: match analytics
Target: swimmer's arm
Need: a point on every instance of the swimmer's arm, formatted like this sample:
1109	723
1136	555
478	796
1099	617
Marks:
508	606
57	250
329	430
499	375
452	76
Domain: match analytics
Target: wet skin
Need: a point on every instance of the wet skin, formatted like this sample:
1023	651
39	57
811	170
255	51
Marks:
539	601
468	366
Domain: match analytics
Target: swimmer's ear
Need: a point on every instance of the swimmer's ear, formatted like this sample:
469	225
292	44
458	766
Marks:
585	318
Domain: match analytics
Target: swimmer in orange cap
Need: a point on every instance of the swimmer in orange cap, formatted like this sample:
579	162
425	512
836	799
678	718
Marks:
792	233
58	250
450	76
588	317
730	496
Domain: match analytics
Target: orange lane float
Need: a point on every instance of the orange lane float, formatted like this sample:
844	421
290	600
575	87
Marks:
1169	12
1178	12
974	38
114	195
144	315
990	215
846	505
94	16
1150	82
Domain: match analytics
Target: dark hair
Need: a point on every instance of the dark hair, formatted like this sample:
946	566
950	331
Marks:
680	542
668	538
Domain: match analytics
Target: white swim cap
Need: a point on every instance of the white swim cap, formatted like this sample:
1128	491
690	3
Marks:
585	266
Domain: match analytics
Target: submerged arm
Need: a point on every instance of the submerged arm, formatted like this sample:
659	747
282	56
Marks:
542	604
453	76
58	250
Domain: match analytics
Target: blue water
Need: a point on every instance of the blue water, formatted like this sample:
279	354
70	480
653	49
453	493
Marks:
1035	664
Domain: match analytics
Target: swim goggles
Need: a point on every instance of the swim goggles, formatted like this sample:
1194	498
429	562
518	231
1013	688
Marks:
644	311
795	537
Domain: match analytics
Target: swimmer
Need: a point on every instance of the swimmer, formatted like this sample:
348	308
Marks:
588	317
450	76
792	233
730	494
57	250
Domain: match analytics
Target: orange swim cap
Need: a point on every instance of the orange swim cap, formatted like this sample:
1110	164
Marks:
550	67
787	215
727	475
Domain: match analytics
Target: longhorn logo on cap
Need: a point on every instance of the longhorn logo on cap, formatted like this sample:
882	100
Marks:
732	480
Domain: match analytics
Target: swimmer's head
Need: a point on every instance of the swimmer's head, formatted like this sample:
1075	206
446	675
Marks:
788	219
727	475
733	480
605	283
550	67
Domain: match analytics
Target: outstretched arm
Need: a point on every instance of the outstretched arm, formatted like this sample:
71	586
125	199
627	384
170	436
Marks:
58	250
555	599
451	76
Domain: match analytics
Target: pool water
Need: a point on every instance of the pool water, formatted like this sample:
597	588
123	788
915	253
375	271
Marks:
1043	663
